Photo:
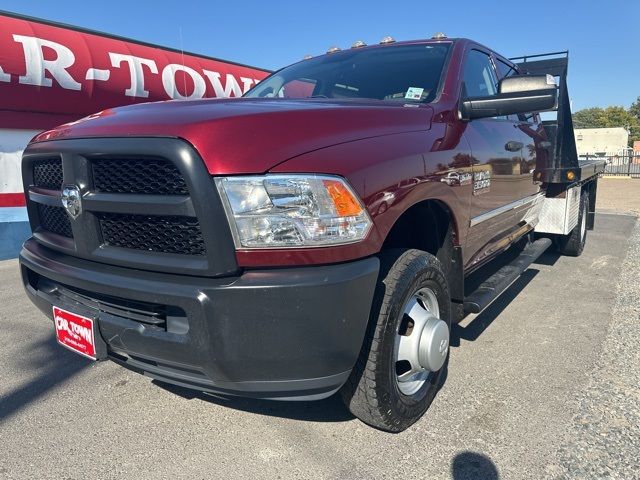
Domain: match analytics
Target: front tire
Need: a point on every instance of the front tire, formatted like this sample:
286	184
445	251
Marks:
405	353
573	243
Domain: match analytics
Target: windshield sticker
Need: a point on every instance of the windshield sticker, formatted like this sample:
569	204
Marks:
414	93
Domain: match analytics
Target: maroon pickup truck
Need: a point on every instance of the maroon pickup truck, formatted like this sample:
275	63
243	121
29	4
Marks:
314	236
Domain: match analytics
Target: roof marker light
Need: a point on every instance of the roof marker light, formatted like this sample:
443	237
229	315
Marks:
307	57
359	44
386	40
439	36
334	49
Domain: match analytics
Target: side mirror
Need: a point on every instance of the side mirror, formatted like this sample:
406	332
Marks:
517	94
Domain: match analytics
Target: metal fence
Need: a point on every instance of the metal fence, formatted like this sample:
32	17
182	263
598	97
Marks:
623	165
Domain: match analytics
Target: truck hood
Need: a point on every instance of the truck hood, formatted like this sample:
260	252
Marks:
241	136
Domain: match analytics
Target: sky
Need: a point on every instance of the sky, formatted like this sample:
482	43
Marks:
603	38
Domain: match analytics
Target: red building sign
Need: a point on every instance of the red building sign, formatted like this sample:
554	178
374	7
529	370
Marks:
51	74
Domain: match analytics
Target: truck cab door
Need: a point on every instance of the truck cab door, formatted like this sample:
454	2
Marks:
532	137
502	175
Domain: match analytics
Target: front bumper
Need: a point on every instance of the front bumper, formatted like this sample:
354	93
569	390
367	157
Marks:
290	333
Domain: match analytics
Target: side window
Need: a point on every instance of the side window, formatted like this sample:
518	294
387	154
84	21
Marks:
479	76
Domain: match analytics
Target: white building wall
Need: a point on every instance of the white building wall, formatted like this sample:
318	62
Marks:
12	143
606	141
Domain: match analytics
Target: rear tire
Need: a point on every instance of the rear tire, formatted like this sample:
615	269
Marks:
573	243
385	391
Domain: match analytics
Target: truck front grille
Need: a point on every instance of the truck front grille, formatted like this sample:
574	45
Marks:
55	220
146	203
47	173
165	234
151	176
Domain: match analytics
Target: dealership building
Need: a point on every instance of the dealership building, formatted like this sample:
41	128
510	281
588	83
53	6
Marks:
52	74
602	141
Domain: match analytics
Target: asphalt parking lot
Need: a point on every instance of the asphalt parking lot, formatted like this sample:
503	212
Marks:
543	384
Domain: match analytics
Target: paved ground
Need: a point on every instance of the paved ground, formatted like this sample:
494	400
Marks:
542	384
619	194
604	440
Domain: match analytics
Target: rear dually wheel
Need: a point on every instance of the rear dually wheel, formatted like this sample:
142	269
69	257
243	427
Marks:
573	243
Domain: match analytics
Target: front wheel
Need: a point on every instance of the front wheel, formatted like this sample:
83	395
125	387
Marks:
406	350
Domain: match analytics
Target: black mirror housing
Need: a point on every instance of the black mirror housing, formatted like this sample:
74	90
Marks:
516	94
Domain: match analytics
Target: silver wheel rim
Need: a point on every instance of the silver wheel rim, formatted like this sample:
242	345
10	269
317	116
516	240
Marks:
422	342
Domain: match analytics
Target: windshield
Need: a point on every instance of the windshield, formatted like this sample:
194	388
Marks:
400	73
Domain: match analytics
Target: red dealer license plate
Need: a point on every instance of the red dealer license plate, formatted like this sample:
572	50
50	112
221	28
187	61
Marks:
75	332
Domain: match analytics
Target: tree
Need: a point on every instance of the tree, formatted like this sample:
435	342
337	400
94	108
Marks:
619	117
634	109
589	118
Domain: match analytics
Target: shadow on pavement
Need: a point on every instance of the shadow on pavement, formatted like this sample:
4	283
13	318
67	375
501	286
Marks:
479	324
329	410
549	258
473	466
54	365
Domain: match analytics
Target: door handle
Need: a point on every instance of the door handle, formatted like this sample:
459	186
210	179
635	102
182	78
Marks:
514	146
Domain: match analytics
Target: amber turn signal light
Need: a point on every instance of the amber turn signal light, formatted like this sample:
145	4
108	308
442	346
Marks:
346	205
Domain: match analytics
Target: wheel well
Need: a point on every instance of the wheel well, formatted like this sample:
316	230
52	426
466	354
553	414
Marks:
424	226
430	226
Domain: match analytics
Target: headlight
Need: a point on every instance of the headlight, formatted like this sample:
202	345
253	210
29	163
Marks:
276	211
